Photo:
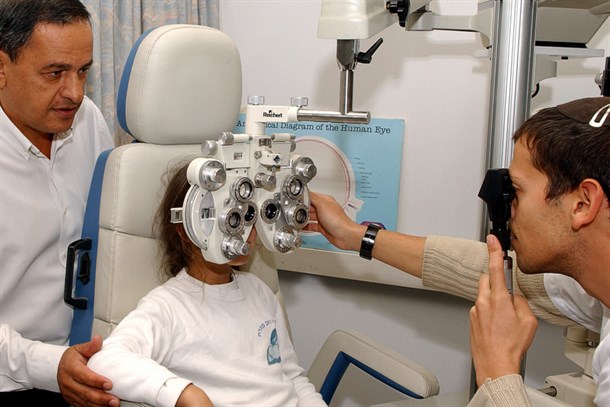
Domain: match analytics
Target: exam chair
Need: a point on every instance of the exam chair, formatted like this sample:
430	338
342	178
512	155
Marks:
182	85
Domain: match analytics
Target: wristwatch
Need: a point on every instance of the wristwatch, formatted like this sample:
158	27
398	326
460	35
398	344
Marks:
368	241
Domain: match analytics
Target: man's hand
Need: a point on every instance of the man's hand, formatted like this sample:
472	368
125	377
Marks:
328	217
501	328
79	385
193	396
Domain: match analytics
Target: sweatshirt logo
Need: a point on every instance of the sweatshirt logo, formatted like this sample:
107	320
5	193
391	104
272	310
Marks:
273	351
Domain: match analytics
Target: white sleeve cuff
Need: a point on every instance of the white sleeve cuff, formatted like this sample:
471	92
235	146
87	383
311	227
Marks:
170	391
42	361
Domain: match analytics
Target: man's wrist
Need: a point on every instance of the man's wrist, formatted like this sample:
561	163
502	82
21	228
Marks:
43	363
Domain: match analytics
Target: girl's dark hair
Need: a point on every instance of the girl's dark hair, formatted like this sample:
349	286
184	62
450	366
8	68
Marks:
18	19
175	251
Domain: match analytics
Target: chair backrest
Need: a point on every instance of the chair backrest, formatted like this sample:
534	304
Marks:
181	85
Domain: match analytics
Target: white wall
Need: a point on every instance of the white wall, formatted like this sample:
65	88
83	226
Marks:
436	84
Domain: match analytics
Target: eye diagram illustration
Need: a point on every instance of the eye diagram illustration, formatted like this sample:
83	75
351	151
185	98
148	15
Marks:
335	175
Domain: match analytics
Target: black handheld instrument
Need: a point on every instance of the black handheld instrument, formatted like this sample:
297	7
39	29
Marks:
498	193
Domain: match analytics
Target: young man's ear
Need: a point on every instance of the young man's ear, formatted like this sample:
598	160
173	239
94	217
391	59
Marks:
588	204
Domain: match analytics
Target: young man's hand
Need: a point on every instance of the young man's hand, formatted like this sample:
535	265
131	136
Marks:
502	326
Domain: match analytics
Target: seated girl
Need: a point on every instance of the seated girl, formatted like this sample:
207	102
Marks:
210	335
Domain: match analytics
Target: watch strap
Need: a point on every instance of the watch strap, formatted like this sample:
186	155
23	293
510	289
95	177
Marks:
368	241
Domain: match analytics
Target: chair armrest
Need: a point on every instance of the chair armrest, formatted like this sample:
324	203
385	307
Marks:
343	348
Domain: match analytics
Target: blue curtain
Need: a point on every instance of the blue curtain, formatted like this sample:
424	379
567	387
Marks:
117	24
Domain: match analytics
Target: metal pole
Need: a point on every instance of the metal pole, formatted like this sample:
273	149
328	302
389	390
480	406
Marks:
346	59
511	77
346	91
512	68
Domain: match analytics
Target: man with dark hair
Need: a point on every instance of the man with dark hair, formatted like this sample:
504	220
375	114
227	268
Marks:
560	231
51	135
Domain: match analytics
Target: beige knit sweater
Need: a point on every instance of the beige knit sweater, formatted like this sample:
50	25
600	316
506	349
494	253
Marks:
454	266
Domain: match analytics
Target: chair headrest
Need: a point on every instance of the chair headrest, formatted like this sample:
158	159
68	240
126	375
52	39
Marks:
181	84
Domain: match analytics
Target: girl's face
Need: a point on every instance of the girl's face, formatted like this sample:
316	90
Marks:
240	261
213	273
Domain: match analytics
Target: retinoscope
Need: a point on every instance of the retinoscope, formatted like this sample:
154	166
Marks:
498	192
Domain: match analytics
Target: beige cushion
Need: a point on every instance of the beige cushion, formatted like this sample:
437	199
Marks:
184	86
